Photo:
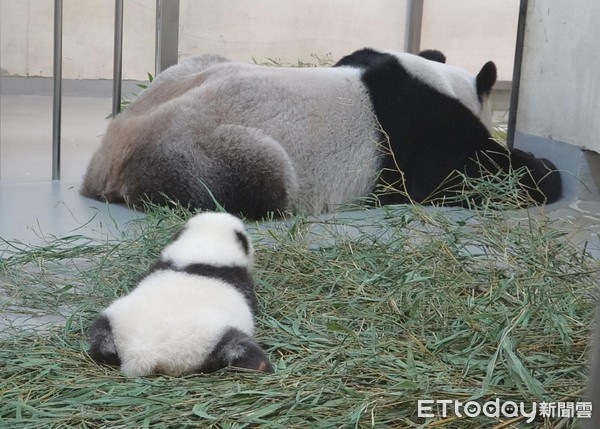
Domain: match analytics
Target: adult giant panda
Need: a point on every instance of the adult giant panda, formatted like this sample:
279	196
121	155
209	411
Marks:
193	309
262	139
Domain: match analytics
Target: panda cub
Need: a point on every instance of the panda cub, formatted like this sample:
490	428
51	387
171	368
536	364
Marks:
193	311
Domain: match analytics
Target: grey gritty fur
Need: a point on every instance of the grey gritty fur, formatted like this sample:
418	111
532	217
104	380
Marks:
284	128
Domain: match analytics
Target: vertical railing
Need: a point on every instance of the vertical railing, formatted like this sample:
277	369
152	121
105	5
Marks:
414	21
57	90
516	78
167	34
117	58
167	40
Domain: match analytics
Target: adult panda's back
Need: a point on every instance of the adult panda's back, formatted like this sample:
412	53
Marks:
259	138
322	117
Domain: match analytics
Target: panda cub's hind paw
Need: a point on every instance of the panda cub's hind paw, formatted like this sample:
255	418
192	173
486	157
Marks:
239	350
102	343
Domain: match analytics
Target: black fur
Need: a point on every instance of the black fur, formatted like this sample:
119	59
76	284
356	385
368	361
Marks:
252	186
102	343
432	134
360	59
236	349
238	277
486	78
243	240
433	55
365	57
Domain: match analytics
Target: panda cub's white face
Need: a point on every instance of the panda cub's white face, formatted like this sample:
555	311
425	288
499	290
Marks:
217	239
449	80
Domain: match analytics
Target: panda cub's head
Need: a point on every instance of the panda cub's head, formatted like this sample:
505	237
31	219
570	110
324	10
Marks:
192	311
217	239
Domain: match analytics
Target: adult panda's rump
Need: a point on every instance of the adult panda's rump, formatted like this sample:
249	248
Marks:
236	167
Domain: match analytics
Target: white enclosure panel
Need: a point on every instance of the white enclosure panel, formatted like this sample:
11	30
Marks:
472	32
559	97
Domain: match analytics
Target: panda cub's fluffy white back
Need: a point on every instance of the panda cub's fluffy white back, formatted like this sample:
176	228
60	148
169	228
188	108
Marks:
193	311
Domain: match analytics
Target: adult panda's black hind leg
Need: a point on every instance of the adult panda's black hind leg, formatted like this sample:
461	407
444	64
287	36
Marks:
239	168
102	343
239	350
254	175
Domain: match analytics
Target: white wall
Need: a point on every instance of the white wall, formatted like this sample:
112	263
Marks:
290	30
286	30
559	97
473	32
470	32
26	37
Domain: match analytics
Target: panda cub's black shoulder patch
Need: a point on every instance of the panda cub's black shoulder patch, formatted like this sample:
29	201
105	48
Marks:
238	277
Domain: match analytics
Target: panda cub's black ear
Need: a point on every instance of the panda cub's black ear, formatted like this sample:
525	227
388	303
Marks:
243	241
486	79
433	55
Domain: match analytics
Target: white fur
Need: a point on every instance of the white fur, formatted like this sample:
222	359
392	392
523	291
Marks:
172	321
209	238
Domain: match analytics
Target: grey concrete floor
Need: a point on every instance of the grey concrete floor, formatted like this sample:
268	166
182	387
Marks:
33	207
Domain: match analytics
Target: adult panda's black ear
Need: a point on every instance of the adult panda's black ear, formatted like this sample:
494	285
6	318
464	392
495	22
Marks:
433	55
486	78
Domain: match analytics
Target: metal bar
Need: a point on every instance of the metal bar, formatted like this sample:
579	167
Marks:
414	18
57	91
167	34
118	58
516	79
